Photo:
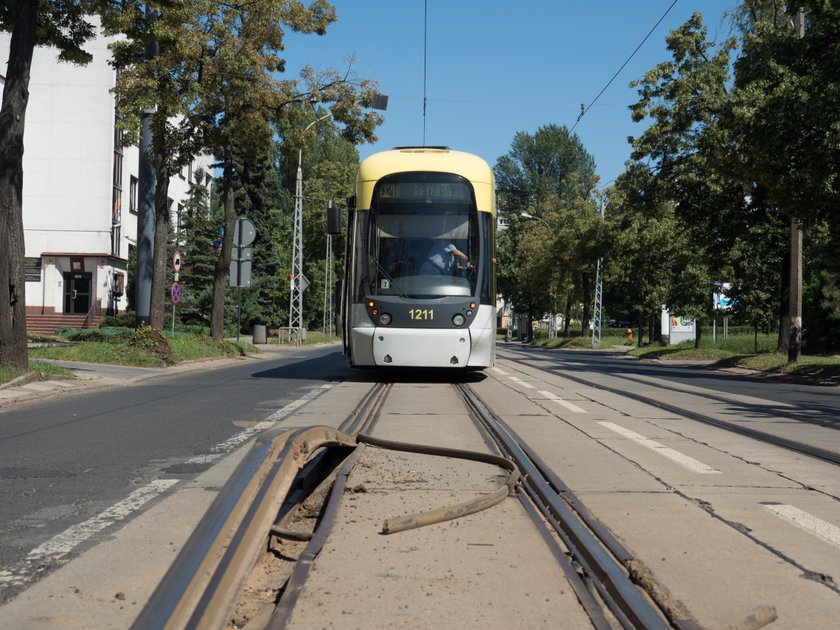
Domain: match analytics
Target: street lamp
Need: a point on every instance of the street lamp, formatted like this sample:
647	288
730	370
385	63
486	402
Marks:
298	280
525	215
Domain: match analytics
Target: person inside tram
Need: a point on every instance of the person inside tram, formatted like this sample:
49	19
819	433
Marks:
445	259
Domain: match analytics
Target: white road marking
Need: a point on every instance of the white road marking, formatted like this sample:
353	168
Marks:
519	381
675	456
499	371
65	542
808	522
300	402
555	398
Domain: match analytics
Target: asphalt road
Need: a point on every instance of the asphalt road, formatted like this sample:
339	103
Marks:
66	459
810	402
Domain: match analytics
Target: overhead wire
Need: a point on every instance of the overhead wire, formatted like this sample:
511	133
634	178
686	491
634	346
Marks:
585	109
425	54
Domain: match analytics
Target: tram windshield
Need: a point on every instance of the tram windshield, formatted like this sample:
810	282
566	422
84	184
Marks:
423	237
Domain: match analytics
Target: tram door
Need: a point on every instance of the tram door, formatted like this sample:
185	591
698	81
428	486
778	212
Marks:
77	292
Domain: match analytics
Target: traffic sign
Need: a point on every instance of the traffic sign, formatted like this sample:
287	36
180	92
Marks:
244	232
176	261
175	293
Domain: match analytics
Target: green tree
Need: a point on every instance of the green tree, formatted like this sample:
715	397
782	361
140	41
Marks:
642	246
685	99
548	175
163	83
200	229
31	23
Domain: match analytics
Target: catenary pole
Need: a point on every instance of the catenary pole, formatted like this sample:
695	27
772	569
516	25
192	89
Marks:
795	303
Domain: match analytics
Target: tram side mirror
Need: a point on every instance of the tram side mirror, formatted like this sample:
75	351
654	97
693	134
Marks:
333	219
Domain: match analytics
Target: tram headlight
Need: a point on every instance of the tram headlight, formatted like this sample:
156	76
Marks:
458	319
385	319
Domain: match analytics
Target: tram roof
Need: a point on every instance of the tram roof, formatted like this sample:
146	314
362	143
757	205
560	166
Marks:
428	159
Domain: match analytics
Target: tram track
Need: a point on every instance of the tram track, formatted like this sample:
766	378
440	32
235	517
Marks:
811	450
622	584
249	518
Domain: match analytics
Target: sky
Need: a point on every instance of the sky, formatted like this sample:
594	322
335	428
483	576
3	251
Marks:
494	68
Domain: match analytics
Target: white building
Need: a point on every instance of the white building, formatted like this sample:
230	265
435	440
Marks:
79	187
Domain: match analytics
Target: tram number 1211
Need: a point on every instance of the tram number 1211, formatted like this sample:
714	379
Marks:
421	313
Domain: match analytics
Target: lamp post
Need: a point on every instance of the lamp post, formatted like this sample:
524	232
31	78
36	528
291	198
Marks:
531	217
298	286
298	280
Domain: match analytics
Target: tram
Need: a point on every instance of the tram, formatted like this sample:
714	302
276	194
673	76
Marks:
419	280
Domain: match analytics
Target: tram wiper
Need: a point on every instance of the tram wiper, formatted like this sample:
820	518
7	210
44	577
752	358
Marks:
389	278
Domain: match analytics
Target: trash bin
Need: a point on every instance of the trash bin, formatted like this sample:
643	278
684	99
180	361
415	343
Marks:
259	333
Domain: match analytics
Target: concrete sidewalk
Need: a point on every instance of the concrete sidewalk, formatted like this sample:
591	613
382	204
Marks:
87	376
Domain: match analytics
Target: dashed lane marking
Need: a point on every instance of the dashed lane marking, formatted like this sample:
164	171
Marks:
499	371
519	381
675	456
565	403
808	522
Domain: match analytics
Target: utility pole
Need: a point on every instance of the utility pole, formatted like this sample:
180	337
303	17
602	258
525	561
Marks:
296	295
146	188
598	306
795	332
328	282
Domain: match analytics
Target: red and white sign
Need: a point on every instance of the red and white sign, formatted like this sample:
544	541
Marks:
176	261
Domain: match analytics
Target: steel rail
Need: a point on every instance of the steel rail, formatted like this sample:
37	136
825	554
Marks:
627	602
200	587
832	457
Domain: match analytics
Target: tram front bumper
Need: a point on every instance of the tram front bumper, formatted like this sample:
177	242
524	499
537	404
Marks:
414	347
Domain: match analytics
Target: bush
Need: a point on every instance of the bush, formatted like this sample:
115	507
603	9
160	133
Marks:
108	334
123	320
153	341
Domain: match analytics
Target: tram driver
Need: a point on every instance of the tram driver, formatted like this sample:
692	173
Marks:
443	259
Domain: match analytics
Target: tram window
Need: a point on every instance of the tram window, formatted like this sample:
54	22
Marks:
417	221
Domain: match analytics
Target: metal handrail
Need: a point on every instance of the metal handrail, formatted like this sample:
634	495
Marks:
95	310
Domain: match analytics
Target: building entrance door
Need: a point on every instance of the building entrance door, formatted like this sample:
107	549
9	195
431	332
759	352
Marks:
77	292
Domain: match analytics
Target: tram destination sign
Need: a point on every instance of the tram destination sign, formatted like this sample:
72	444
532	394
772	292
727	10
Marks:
443	192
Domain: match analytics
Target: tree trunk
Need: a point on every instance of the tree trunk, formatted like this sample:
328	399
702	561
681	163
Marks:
586	286
784	307
698	333
657	328
13	350
641	330
217	320
567	317
160	256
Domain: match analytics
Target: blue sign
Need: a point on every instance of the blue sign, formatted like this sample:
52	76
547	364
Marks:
176	293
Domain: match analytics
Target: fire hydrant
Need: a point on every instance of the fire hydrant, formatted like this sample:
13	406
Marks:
629	333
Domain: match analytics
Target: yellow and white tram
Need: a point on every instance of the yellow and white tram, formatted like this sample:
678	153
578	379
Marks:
419	284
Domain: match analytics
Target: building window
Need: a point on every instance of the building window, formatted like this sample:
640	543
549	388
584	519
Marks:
132	195
116	231
119	284
32	269
77	263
